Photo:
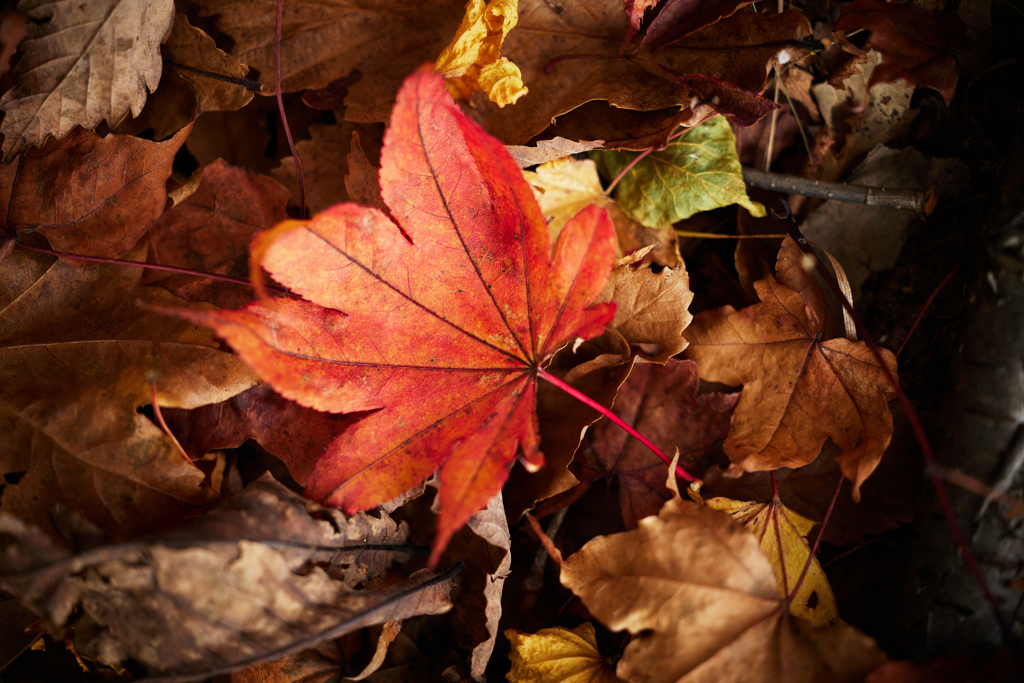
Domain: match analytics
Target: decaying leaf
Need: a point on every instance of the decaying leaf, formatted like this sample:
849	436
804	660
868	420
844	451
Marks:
86	194
679	18
703	605
698	171
916	44
650	306
798	389
209	228
78	358
83	63
660	402
783	537
549	150
558	654
240	585
472	62
465	292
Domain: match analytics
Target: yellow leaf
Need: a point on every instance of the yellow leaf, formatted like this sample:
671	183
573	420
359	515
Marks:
782	535
472	60
558	655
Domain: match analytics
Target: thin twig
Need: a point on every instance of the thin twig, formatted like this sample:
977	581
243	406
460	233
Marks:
580	396
280	109
149	266
167	430
246	83
921	201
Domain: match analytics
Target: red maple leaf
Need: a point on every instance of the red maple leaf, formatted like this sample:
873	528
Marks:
442	325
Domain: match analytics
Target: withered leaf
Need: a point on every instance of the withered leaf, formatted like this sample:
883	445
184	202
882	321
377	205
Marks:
660	402
214	217
240	585
782	534
798	389
549	150
83	63
558	654
88	195
77	359
704	606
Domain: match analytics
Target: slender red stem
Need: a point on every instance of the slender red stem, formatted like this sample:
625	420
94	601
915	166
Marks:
927	305
280	108
775	486
635	161
918	429
580	396
817	540
148	266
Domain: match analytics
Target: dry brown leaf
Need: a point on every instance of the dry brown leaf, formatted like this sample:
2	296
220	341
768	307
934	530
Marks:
549	150
597	27
324	41
798	389
650	306
77	358
363	182
88	195
660	402
703	606
783	537
240	585
214	217
83	63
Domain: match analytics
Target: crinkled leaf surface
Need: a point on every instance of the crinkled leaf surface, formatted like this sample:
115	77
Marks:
472	61
263	574
698	171
782	534
83	63
703	606
798	390
679	18
439	324
558	654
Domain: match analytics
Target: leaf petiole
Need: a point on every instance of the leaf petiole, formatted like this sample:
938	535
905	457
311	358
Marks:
580	396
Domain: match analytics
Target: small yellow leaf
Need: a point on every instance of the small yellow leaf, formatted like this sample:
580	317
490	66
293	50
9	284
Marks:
472	60
782	535
558	655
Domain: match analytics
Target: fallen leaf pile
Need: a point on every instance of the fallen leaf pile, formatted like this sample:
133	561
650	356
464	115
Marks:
310	310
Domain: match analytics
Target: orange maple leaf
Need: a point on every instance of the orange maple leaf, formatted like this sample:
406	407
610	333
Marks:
442	325
798	389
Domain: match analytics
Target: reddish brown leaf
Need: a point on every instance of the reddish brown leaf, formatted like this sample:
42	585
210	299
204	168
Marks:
209	228
443	322
917	45
86	194
661	403
798	390
679	18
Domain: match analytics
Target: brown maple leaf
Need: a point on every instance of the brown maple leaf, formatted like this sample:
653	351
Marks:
443	323
703	606
798	388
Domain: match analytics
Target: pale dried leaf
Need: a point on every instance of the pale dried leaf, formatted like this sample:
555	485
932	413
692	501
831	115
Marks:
549	150
83	63
241	585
